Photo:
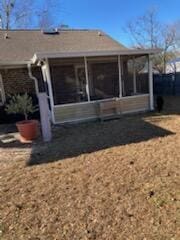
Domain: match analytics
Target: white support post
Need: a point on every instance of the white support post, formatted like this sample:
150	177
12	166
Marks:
134	76
87	78
43	69
120	77
48	76
45	118
151	84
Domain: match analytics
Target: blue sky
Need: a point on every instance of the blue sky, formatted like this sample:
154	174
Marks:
112	15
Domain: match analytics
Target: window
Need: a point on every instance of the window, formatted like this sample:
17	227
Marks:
69	82
103	79
134	75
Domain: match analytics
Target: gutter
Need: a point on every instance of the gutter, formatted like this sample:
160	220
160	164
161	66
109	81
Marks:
10	63
33	78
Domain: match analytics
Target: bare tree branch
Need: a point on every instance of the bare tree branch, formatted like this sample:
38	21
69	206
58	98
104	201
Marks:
147	32
28	13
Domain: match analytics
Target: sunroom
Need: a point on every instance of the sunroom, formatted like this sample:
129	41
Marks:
84	86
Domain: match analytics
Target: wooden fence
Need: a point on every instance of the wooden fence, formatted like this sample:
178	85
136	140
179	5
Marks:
167	84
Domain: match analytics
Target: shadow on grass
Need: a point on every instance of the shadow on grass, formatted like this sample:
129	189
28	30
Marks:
71	141
171	105
9	137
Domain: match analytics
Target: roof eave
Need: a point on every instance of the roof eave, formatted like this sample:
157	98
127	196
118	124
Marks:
40	56
14	63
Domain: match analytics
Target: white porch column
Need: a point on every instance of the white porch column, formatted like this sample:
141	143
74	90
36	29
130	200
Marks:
45	119
134	76
120	78
87	78
47	78
151	95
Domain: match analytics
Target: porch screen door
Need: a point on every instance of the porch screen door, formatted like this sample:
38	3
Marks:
81	82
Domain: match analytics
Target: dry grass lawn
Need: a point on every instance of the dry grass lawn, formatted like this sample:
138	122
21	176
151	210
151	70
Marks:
113	180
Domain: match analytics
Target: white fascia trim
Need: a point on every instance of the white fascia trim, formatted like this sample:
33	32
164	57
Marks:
39	56
14	62
13	65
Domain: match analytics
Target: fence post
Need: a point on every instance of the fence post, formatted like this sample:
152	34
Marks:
151	84
45	117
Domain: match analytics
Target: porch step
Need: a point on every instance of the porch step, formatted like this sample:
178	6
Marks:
109	110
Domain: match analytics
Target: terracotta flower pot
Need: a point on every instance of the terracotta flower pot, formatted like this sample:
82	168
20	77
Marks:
28	129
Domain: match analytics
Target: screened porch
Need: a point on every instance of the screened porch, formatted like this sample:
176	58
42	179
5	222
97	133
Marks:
78	85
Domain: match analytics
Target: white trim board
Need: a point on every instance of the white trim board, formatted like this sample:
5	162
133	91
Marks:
101	100
81	120
40	56
47	78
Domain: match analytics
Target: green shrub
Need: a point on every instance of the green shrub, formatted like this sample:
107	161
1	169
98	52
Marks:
21	104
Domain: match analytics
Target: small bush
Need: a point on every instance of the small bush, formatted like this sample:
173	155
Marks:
21	104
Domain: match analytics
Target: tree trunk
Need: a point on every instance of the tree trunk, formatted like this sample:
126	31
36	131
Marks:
26	116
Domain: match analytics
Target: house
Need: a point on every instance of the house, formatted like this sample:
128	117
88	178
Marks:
173	65
85	73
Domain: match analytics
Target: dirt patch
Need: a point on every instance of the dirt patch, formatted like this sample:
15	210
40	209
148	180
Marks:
112	180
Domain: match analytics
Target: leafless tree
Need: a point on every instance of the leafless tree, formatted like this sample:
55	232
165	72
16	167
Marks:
6	10
28	13
177	27
14	12
47	13
147	32
168	44
45	18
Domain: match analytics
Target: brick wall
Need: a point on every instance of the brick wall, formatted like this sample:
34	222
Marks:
18	81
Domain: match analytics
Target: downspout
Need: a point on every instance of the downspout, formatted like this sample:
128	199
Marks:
44	118
33	78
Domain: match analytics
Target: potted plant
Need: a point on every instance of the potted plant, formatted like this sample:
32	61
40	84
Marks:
22	104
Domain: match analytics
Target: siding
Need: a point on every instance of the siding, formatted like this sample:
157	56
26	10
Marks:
85	111
76	112
132	104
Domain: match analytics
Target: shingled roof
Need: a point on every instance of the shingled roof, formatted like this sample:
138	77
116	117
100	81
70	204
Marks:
21	45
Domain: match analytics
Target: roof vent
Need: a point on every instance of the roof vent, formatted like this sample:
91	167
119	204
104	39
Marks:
100	34
6	36
50	31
